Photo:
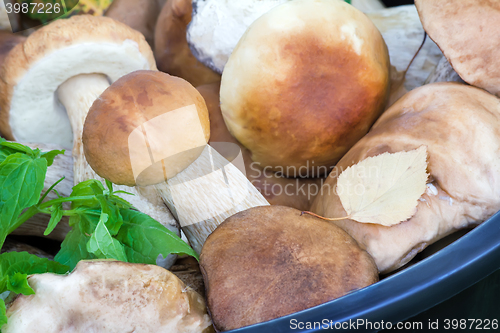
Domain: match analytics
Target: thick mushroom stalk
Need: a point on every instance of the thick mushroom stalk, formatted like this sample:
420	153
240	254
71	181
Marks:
156	127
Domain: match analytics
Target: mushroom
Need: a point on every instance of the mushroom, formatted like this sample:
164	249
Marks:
172	51
140	15
466	33
109	296
301	262
156	127
71	61
298	193
218	25
459	126
305	82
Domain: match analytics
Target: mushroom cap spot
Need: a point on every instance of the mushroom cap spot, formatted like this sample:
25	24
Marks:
145	128
301	262
305	82
468	33
34	69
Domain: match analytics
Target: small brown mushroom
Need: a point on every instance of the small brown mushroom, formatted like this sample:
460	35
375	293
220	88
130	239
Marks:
109	296
467	33
267	262
156	127
172	51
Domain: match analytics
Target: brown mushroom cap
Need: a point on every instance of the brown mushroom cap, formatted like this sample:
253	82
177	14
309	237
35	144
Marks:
109	296
267	262
304	83
172	51
459	125
147	126
468	33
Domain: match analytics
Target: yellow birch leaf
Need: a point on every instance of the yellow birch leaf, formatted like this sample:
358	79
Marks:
384	189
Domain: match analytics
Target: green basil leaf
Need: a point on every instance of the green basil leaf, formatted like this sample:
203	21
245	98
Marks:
25	263
55	218
103	245
74	249
21	184
85	189
50	155
145	239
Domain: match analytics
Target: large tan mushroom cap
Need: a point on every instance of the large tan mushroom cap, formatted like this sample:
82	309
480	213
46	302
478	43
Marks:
267	262
145	128
172	51
468	33
33	71
459	125
305	82
109	296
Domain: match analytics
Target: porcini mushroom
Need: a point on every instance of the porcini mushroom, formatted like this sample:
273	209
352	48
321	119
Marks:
71	61
218	25
172	52
156	127
300	263
458	124
304	83
109	296
462	30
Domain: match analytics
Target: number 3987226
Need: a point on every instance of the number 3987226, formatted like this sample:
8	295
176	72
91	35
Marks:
33	8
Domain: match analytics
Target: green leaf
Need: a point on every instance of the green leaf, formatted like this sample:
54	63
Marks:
25	263
21	184
50	155
85	189
3	313
74	249
18	283
14	146
145	239
103	245
55	218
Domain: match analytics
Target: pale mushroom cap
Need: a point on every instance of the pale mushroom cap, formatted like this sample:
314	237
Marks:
459	125
109	296
468	33
145	128
267	262
305	82
33	71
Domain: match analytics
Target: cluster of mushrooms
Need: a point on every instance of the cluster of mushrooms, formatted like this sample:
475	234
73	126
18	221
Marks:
255	91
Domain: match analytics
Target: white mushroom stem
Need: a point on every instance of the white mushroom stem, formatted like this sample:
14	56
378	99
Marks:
207	192
77	95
